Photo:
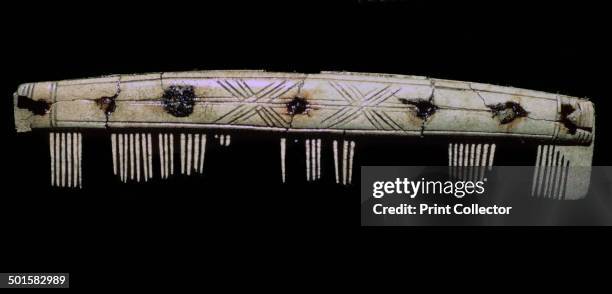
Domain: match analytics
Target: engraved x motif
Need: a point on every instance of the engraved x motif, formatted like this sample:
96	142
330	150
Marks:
359	103
255	103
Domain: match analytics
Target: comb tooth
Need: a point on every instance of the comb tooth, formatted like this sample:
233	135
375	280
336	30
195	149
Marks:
228	138
196	152
58	144
56	163
551	175
313	159
491	156
59	159
466	156
336	161
75	160
547	160
145	166
450	154
469	153
137	150
551	150
477	162
150	155
126	157
203	150
536	170
450	157
171	154
166	156
553	171
189	152
307	145
477	158
455	158
69	163
182	153
555	187
564	179
472	151
63	155
131	145
549	167
162	156
114	152
558	172
472	160
483	164
222	140
80	158
126	143
160	143
318	158
69	158
344	160
350	166
52	157
455	153
460	162
542	174
121	157
282	157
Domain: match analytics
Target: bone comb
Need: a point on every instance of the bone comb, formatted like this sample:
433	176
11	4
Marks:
178	115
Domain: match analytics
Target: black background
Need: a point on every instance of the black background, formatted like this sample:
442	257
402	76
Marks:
238	220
